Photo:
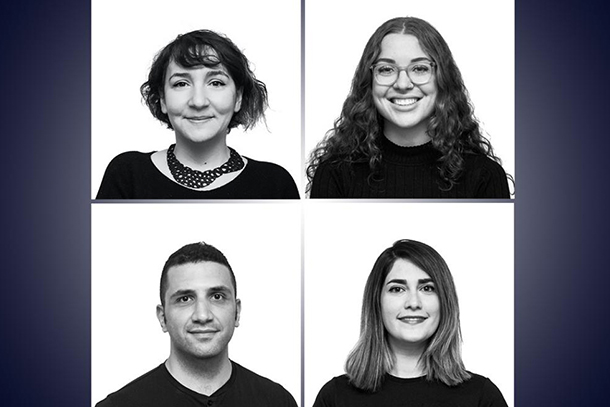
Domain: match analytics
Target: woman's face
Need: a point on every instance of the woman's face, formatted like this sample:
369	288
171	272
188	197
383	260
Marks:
403	104
410	305
199	101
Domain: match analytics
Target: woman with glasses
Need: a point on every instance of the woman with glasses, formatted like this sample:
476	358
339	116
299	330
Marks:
407	128
200	86
408	353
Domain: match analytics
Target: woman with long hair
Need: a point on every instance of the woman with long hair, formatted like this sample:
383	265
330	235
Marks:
409	350
200	86
407	128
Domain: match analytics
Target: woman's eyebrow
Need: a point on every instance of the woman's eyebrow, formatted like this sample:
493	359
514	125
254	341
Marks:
392	61
214	72
180	75
404	282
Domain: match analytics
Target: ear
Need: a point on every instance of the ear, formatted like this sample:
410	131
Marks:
163	106
161	317
238	101
237	311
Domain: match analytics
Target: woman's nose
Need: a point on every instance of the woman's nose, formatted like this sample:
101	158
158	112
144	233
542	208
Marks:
413	301
403	81
198	98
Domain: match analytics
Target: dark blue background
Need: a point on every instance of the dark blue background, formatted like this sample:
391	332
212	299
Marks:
562	104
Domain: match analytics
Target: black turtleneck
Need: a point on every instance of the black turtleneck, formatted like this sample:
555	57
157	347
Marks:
409	172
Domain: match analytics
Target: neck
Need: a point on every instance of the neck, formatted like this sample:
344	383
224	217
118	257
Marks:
407	137
203	376
407	360
202	155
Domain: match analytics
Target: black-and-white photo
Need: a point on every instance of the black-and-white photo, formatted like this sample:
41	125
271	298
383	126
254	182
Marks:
223	90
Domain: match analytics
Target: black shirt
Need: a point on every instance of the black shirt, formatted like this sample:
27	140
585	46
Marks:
158	388
132	175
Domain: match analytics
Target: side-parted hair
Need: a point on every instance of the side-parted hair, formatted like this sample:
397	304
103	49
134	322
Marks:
209	49
372	358
453	128
194	253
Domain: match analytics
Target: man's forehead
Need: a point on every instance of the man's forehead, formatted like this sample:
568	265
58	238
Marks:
200	275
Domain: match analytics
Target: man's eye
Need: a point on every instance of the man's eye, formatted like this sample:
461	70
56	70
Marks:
184	298
218	297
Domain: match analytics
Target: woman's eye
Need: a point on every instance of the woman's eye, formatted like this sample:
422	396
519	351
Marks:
180	84
217	83
420	69
396	289
428	288
386	70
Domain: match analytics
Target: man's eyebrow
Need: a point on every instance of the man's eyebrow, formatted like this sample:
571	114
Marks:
220	288
180	293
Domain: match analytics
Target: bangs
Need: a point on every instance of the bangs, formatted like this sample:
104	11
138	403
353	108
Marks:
190	54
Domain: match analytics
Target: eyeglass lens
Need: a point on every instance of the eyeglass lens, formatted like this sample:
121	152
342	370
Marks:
387	74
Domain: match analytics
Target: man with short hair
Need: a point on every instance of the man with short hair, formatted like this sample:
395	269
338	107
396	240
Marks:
199	309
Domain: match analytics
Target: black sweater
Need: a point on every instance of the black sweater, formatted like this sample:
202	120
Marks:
409	172
478	391
133	175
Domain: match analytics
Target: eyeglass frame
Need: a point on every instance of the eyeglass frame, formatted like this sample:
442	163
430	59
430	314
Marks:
401	68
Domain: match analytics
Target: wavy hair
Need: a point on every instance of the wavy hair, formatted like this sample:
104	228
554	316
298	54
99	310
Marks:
372	358
453	128
209	49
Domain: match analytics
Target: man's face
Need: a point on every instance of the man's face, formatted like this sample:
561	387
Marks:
201	311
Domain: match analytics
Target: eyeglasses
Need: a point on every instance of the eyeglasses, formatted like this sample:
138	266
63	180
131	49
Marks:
419	73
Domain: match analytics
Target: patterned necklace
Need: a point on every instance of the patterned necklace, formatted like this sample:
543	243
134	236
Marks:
198	179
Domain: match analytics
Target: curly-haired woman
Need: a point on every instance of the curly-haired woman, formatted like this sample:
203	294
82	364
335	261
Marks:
407	128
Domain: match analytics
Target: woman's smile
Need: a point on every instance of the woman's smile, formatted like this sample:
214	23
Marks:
199	102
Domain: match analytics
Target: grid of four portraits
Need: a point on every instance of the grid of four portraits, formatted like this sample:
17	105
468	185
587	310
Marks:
307	210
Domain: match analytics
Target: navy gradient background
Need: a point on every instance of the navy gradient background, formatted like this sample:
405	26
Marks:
562	355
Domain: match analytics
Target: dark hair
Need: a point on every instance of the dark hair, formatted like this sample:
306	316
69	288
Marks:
194	253
453	128
207	48
371	358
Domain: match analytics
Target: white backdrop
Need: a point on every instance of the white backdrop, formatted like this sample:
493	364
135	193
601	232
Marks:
130	244
342	242
480	34
125	37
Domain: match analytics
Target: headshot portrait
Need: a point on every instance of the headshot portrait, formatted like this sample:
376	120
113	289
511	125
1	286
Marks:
422	107
205	105
421	304
177	320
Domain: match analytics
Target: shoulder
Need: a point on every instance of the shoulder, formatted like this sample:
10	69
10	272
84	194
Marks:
485	389
487	177
335	388
267	168
270	180
130	158
137	392
484	164
248	381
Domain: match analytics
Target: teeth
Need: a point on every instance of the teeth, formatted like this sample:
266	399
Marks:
404	102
